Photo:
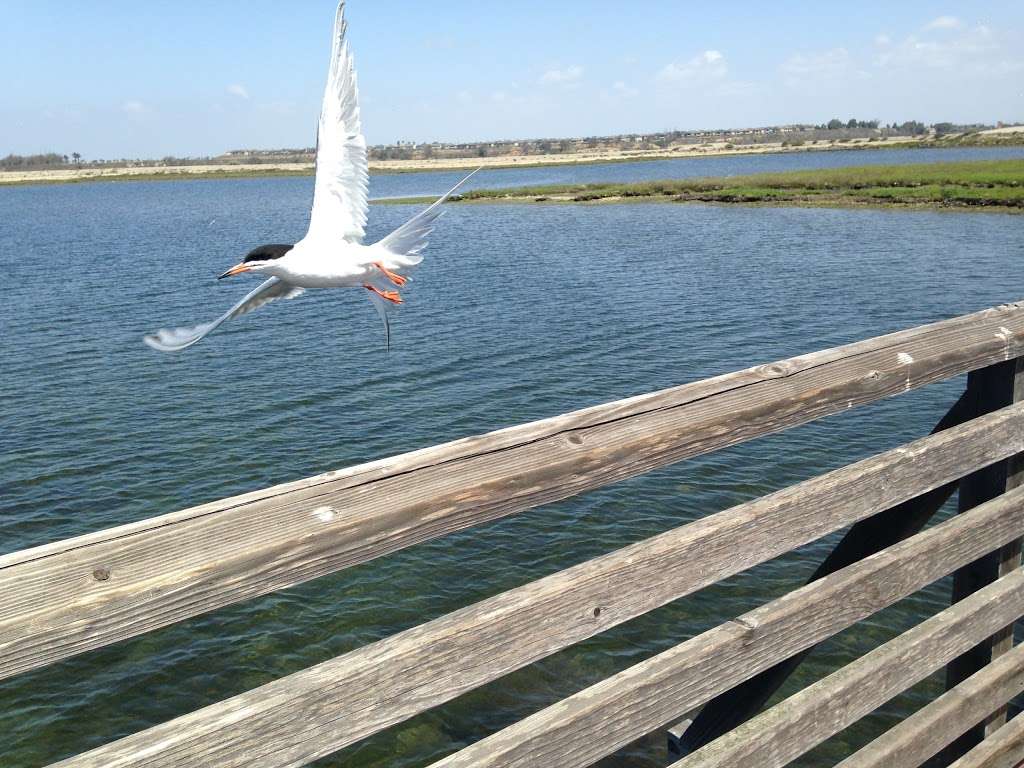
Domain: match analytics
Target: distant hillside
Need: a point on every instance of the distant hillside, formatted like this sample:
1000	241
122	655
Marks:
832	132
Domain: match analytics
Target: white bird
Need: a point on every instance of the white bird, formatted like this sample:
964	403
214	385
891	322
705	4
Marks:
332	254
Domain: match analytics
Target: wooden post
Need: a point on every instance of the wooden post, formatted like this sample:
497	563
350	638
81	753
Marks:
994	387
865	538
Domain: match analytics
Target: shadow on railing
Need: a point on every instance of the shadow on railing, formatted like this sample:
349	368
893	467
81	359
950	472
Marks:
83	593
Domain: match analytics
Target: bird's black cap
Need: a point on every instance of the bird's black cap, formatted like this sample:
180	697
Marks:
267	252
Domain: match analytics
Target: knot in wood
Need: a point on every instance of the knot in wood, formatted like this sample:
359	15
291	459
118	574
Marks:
575	439
101	574
749	626
776	370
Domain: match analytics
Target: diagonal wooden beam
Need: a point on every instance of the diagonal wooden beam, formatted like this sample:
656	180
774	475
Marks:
314	712
911	742
993	387
874	534
598	720
793	727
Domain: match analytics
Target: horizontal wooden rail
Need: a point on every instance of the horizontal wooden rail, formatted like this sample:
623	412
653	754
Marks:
911	742
1003	749
314	712
71	596
988	389
595	722
794	726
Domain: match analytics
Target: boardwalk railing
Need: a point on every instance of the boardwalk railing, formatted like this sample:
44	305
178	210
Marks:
83	593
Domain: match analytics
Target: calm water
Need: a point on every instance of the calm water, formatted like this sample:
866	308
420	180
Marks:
521	312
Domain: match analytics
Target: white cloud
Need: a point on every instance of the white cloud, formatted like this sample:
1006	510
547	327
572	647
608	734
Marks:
236	89
945	22
829	66
882	40
566	76
977	50
134	108
618	91
709	65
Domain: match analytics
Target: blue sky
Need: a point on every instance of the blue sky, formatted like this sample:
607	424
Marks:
147	79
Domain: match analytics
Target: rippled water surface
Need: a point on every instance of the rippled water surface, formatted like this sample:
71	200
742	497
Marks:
520	312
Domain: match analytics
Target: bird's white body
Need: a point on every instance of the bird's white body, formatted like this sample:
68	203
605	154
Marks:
312	264
332	254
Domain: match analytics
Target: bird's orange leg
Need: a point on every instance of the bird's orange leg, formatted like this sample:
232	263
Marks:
391	296
394	277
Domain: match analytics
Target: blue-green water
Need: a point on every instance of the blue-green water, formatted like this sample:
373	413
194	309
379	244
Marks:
520	312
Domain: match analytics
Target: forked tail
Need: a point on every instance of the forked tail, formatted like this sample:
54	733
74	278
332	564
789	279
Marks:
404	247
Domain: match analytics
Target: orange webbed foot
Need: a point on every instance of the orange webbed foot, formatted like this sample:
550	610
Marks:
392	296
394	277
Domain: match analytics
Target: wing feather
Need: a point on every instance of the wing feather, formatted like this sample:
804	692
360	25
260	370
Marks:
410	239
340	187
177	339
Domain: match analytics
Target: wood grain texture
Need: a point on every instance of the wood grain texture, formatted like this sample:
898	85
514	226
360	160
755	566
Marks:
319	710
995	386
736	706
169	568
911	742
1010	555
601	719
794	726
1003	749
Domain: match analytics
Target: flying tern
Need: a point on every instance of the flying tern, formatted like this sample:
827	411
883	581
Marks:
332	254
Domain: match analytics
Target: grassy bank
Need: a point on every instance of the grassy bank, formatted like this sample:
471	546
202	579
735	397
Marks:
990	184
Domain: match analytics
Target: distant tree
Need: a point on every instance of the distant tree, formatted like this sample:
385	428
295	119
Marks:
941	129
77	158
913	127
851	123
428	151
64	158
835	124
30	161
481	151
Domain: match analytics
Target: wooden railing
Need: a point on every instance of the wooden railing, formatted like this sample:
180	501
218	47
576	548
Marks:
83	593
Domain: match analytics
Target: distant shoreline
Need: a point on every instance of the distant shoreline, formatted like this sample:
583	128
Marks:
271	170
989	185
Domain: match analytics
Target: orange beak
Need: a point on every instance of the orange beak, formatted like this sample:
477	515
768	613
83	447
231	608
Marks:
236	270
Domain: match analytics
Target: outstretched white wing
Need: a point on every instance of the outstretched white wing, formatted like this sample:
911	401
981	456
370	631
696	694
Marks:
339	190
177	339
410	239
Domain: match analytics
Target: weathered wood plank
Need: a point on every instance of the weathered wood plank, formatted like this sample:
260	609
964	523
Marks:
994	386
736	706
1003	749
804	720
53	604
319	710
601	719
1010	555
911	742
